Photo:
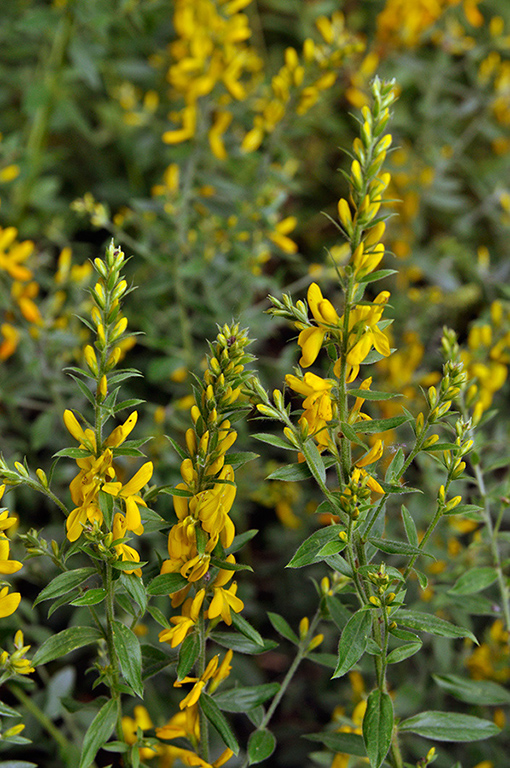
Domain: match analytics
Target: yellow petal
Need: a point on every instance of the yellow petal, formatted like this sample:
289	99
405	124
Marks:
138	481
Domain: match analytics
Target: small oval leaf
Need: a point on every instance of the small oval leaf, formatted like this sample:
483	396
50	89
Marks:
261	745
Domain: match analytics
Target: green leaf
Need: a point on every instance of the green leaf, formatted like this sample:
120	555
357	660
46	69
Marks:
64	642
73	453
261	745
98	733
351	435
127	647
154	660
378	726
378	275
396	547
338	612
188	654
309	550
17	764
166	584
128	565
282	627
353	642
177	448
474	580
240	458
64	583
106	506
91	597
449	726
481	692
403	652
241	644
218	721
291	473
314	461
246	629
410	527
370	394
278	442
240	540
227	566
135	588
244	698
379	425
471	511
427	622
350	743
7	711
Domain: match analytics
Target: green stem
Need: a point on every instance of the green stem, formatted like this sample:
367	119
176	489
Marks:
68	749
343	410
201	664
114	677
301	654
496	558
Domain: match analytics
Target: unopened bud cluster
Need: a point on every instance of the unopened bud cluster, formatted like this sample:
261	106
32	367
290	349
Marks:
369	150
106	315
381	582
453	382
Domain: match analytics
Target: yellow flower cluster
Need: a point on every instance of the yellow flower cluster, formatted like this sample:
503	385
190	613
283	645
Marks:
298	84
97	473
204	528
24	288
9	601
486	358
15	663
210	51
184	724
211	56
402	24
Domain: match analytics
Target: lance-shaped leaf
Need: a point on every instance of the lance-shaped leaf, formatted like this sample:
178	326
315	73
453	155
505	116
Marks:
353	642
99	732
243	698
309	551
427	622
449	726
481	692
128	650
473	581
218	721
350	743
64	583
64	642
378	726
166	584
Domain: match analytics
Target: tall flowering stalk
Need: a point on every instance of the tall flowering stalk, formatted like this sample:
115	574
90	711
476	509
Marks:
330	432
200	566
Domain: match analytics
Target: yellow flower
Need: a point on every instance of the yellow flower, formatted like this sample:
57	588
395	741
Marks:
8	602
6	565
124	551
129	493
130	727
212	672
317	404
224	601
310	339
185	622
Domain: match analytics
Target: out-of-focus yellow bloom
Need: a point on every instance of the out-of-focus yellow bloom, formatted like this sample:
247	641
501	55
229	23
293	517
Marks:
141	719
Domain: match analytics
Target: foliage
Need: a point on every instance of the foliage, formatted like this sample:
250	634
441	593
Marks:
239	572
